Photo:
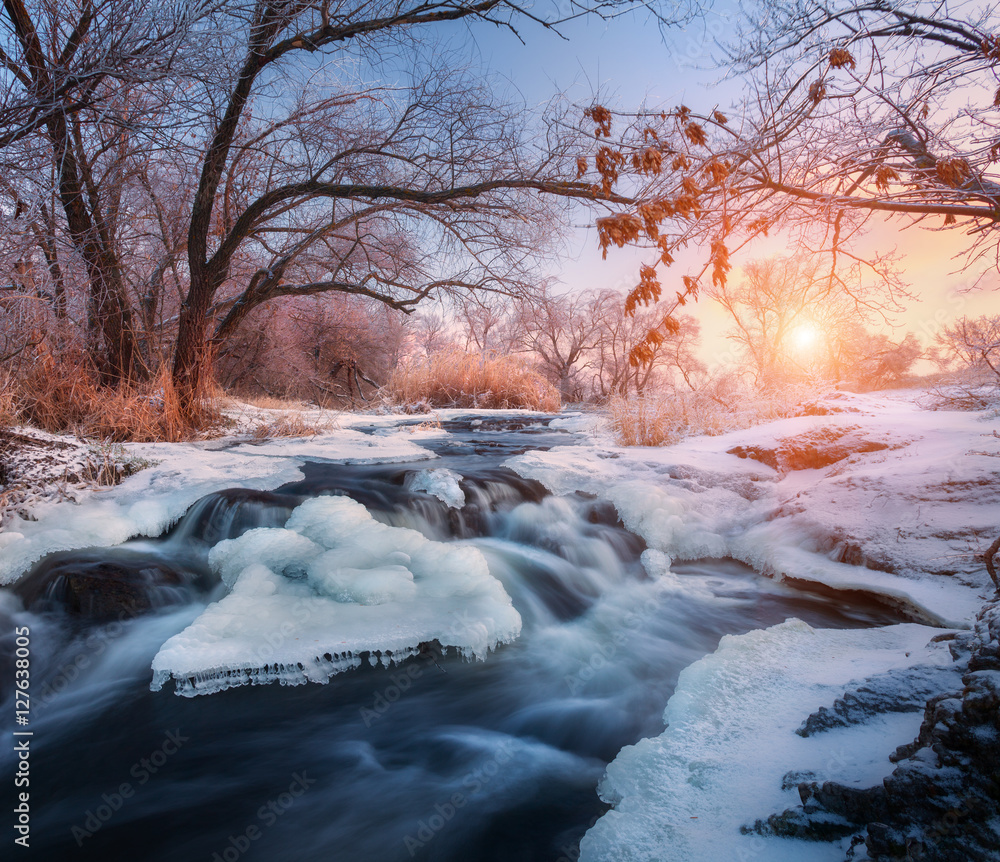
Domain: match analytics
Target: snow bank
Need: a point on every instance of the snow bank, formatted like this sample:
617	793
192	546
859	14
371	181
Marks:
901	515
730	741
308	600
147	503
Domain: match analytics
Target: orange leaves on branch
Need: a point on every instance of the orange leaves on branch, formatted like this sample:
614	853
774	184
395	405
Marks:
720	263
996	98
953	172
608	162
991	47
841	57
683	114
695	134
687	206
602	119
646	292
619	229
581	167
653	213
719	117
690	186
949	219
665	256
717	172
645	351
817	90
649	161
680	162
883	176
649	134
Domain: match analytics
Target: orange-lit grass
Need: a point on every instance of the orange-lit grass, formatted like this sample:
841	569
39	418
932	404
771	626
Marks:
462	380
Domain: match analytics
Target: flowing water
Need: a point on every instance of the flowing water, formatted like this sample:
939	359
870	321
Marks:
434	759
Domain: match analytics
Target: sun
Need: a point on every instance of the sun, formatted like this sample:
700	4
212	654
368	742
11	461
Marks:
805	337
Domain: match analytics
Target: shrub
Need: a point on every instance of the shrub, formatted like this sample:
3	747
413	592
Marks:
724	404
457	379
66	396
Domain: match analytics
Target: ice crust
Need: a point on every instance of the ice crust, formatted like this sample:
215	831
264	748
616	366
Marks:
307	601
441	483
731	738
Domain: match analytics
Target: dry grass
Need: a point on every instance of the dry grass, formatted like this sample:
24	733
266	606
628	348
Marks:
262	402
461	380
663	419
287	425
65	396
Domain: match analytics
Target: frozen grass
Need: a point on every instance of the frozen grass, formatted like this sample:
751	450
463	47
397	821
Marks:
664	418
461	380
65	396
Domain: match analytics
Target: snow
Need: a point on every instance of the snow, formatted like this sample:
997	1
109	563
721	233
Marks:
730	740
906	520
439	482
916	513
147	503
307	601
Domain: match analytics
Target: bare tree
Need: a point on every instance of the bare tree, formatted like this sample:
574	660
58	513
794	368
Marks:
974	343
292	179
407	194
59	60
562	331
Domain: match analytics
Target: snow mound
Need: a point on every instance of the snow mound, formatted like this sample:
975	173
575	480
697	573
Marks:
309	600
439	482
731	739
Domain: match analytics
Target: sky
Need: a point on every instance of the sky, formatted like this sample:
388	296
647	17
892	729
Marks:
629	60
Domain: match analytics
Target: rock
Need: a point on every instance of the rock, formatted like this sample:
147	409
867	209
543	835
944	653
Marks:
814	449
940	804
904	690
99	586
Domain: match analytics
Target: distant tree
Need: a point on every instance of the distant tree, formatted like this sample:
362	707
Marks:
561	330
872	360
855	109
488	324
972	343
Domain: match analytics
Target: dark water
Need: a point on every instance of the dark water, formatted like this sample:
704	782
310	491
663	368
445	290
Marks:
434	759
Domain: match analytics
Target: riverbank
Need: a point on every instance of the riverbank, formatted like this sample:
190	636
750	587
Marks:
776	738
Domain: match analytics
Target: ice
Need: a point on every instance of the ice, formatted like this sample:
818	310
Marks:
150	501
441	483
282	550
307	601
731	738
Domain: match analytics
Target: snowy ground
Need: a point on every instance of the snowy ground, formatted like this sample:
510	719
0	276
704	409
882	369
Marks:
876	494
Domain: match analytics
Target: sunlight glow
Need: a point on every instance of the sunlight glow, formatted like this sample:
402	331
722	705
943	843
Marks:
805	337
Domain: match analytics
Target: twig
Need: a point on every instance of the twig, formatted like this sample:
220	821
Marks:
991	552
